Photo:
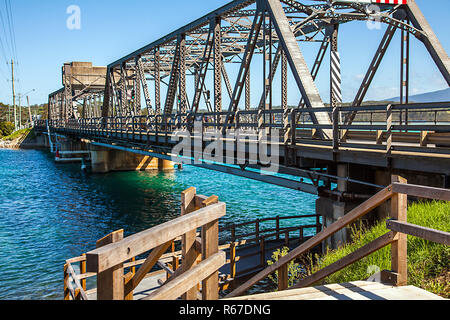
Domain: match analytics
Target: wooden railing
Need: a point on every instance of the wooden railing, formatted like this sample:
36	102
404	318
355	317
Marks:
200	263
264	239
397	193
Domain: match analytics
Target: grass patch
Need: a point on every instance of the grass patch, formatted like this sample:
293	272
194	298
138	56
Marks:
17	134
428	262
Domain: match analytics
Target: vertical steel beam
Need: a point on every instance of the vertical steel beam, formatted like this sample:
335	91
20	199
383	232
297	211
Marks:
335	84
157	76
124	90
247	91
143	80
404	72
173	82
182	74
217	66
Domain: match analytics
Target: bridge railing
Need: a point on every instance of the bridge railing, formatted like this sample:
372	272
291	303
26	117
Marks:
397	193
423	128
201	257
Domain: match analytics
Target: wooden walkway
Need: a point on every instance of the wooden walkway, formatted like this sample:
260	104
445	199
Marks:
358	290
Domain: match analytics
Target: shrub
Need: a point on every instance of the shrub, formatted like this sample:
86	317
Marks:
6	128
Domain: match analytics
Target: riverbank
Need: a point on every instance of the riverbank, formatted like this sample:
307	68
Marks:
21	139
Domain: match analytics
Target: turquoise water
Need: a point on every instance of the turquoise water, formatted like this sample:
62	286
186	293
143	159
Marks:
51	212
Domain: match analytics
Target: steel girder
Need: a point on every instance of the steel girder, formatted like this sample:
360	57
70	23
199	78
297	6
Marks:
233	34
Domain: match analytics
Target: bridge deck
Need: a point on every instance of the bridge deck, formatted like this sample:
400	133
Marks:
359	290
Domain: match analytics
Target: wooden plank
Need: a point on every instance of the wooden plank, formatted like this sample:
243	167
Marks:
146	267
375	245
283	278
189	252
419	231
174	289
399	248
422	191
132	246
350	217
110	280
66	282
210	246
77	281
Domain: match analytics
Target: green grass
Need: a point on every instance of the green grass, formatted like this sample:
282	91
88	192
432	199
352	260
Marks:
17	134
428	263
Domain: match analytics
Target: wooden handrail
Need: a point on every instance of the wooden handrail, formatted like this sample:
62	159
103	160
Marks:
357	255
432	235
352	216
113	254
398	192
421	191
179	285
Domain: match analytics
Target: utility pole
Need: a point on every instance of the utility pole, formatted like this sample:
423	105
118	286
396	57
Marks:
29	111
20	111
14	94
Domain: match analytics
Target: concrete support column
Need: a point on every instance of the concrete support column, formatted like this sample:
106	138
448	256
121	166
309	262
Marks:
106	160
332	209
100	159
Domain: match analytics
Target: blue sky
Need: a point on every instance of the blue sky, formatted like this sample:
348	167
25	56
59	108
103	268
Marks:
111	29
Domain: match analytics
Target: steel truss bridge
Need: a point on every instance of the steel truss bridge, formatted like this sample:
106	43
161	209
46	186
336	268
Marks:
191	67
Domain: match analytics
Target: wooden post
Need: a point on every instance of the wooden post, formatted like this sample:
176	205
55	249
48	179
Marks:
210	246
66	281
83	271
283	279
77	294
286	238
399	248
278	227
110	283
262	247
318	225
133	268
189	251
257	229
301	234
389	121
233	260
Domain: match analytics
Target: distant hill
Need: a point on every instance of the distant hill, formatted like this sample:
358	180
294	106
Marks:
436	96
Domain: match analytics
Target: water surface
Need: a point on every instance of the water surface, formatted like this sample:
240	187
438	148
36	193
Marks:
51	212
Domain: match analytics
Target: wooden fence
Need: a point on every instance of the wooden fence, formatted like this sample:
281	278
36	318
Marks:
200	263
260	236
397	193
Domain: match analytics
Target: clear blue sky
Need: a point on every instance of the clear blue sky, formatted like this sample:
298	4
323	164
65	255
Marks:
111	29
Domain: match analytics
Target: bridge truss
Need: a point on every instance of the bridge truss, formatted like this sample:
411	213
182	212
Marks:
187	73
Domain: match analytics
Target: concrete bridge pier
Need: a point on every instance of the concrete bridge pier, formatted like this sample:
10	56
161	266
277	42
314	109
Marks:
346	197
105	160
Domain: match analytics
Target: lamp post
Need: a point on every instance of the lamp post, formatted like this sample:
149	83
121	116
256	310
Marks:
20	107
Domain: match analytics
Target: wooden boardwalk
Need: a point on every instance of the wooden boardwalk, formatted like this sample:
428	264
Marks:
358	290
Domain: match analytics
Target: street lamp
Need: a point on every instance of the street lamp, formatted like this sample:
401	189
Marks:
20	107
